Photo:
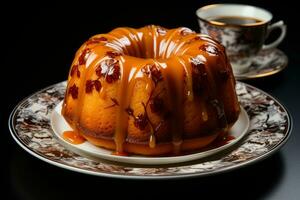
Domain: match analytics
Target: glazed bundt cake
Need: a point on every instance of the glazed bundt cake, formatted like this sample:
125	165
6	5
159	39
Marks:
151	91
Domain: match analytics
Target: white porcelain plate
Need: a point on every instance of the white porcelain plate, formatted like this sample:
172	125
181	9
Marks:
59	125
269	129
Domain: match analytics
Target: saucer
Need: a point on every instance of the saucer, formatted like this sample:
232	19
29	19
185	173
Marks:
59	125
265	63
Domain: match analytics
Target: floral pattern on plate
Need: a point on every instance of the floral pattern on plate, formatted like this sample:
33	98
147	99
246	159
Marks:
269	129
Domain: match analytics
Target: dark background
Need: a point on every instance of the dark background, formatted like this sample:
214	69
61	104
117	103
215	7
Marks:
39	43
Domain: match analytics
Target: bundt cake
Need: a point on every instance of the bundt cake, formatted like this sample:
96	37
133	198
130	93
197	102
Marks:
151	91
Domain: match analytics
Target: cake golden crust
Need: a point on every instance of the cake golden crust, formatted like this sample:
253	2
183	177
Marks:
151	91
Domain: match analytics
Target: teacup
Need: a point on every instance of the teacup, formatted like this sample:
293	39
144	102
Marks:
242	29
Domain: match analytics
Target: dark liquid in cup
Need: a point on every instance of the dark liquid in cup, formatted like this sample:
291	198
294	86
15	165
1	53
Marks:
235	20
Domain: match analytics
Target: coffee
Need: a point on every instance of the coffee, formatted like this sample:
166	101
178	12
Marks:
235	20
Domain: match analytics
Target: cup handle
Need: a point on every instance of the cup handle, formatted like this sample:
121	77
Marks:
282	26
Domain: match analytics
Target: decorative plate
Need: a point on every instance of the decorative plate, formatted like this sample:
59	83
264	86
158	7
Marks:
266	63
86	149
270	127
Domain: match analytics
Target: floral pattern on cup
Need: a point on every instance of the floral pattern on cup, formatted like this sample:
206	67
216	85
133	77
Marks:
241	43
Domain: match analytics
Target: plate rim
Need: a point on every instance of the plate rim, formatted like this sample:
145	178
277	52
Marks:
143	177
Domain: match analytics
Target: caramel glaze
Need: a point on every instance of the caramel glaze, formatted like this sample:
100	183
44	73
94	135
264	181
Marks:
179	72
73	137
